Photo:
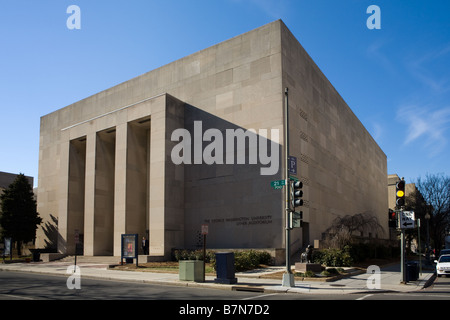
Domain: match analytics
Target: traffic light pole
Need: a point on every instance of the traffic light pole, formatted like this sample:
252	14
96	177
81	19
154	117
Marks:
288	277
400	204
402	256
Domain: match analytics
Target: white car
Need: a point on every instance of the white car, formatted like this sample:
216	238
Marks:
443	265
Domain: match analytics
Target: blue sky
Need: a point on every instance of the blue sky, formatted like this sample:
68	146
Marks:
395	79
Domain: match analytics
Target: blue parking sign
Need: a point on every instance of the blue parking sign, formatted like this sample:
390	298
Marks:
292	165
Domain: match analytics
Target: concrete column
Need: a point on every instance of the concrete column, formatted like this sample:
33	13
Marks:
157	182
63	198
120	190
166	220
89	199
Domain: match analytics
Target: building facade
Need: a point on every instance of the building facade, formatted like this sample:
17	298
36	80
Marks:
147	156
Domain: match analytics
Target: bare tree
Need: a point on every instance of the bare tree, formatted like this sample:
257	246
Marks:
435	189
345	229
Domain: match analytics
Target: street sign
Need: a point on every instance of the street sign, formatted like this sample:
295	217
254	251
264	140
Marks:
204	229
278	184
292	165
407	220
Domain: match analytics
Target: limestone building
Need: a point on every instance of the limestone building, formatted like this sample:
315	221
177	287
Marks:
8	178
106	163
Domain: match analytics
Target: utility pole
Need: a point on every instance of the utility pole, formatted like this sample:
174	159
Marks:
400	204
402	262
288	277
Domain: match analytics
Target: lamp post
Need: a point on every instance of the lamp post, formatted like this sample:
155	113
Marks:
288	276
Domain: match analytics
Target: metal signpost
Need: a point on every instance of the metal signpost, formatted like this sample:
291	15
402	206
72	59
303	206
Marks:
288	277
292	194
405	221
205	230
76	239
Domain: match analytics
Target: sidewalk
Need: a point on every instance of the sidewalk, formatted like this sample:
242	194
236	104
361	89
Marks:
390	278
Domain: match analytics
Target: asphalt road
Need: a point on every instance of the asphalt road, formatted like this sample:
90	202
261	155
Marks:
25	286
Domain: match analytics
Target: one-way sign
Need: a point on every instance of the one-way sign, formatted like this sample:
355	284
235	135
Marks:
407	220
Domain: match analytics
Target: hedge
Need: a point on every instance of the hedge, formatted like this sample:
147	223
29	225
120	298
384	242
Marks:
349	255
243	260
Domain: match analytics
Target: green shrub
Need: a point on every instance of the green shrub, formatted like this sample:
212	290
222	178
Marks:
251	259
265	258
333	257
325	273
243	260
192	255
307	274
350	254
332	271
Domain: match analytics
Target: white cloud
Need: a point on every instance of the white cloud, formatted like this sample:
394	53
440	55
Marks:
427	124
430	69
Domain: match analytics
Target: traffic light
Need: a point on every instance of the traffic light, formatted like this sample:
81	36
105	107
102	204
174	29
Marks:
400	193
392	219
296	194
295	219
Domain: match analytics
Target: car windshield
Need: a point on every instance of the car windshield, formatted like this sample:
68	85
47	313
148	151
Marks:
445	251
444	259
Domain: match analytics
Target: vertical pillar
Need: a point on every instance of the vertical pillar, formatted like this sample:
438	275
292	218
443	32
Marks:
120	186
89	198
166	179
63	197
157	187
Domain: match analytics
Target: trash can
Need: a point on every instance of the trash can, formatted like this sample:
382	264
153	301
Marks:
225	268
412	271
36	255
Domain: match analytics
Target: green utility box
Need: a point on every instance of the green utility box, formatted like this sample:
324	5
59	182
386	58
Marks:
191	270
